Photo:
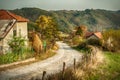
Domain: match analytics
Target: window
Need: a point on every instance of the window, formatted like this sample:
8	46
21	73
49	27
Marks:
19	32
14	32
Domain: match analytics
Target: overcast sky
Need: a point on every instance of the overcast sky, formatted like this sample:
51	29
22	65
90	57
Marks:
61	4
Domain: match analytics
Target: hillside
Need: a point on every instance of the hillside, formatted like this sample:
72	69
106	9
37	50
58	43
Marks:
67	20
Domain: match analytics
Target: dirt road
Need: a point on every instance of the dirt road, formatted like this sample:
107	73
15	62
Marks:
51	65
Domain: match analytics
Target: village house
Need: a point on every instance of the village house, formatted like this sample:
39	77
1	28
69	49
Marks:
93	35
11	25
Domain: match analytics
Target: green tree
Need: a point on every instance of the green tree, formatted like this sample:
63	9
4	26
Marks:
48	27
81	30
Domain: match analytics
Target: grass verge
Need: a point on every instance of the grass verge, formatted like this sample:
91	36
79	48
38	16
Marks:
109	70
42	56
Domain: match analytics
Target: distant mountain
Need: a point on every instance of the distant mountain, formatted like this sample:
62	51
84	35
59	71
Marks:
94	19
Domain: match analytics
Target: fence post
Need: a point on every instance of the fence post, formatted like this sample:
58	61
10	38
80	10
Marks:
74	64
63	72
63	67
43	76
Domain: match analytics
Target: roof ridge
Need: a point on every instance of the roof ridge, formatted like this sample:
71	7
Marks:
9	13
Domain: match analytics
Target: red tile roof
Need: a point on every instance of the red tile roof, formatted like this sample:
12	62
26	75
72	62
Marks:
97	34
88	34
8	15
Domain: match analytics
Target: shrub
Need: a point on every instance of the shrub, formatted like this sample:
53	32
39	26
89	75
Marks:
95	42
77	40
17	44
111	40
12	57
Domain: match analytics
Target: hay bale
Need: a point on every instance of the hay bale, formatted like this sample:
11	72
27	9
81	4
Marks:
37	43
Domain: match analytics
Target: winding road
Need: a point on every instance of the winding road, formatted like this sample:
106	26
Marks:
51	65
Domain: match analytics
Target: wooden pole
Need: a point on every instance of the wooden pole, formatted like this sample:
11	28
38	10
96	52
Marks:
63	67
63	72
43	76
74	64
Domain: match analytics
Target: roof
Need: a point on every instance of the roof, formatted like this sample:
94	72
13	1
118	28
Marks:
6	15
88	34
97	34
5	26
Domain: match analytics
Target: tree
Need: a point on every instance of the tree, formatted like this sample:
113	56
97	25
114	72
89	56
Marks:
48	27
81	30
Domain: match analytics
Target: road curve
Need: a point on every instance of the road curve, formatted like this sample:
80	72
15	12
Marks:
51	65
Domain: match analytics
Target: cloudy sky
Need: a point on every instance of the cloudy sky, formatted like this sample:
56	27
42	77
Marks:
61	4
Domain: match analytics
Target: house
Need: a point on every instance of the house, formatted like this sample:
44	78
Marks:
11	25
93	35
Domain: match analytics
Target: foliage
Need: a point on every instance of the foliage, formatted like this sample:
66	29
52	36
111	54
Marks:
81	30
48	27
17	44
11	57
111	40
77	40
94	42
93	18
32	26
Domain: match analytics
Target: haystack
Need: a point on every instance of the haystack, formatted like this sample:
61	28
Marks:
37	43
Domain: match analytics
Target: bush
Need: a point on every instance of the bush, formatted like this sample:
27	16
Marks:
77	40
17	44
13	57
95	42
111	40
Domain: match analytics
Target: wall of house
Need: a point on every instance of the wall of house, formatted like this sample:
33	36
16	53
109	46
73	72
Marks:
5	41
22	30
93	37
1	48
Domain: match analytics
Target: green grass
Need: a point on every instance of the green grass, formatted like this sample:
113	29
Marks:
13	57
112	69
109	70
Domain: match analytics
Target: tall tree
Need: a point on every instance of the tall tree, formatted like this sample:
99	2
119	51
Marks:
48	27
81	30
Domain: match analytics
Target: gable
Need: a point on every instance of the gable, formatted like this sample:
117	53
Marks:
5	27
6	15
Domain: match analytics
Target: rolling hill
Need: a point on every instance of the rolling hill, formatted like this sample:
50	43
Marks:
94	19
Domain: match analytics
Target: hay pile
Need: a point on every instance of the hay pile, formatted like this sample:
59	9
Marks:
37	43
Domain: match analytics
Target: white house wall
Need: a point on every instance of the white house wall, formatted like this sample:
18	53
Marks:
1	44
22	26
17	26
7	38
92	37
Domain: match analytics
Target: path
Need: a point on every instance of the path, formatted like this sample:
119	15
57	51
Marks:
51	65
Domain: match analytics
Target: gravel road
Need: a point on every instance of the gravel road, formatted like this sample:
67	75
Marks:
51	65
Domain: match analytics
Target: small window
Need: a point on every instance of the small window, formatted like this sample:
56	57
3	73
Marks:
14	32
19	32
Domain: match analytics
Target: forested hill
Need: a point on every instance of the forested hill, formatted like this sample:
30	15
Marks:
67	20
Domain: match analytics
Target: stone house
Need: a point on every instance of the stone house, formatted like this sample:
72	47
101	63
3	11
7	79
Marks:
11	25
93	35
